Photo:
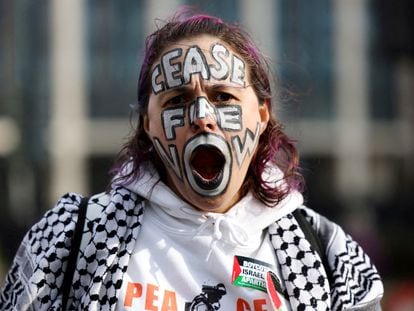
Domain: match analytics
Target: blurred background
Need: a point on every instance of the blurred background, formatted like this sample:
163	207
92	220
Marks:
345	91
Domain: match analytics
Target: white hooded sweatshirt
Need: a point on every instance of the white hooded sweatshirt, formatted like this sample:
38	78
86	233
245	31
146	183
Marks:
161	254
185	259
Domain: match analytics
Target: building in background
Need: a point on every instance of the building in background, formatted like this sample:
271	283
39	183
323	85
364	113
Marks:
345	90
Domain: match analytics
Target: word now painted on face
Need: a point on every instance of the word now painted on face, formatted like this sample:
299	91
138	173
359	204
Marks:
173	70
227	117
239	149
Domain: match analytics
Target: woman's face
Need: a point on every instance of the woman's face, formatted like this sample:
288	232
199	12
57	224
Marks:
204	120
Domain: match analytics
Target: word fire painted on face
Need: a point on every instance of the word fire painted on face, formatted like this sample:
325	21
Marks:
227	117
175	70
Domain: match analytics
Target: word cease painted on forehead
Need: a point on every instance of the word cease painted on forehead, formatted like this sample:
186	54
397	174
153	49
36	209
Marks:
175	69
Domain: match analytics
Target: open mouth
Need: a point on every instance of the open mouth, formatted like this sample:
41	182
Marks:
207	163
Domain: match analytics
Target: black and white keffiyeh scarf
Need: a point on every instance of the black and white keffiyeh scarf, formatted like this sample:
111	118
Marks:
354	281
35	278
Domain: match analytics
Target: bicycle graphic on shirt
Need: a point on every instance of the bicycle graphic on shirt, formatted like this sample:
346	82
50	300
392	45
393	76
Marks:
208	300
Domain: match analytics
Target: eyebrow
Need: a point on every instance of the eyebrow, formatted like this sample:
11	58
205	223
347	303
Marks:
208	86
221	86
177	90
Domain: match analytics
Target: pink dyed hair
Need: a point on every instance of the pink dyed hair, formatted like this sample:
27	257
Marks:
274	147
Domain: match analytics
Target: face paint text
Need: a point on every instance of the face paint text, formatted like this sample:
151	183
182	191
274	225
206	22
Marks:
171	72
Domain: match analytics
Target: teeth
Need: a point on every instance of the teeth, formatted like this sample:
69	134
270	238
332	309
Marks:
208	173
214	173
208	183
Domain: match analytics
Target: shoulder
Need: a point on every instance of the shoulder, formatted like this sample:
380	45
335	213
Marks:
108	211
335	240
36	275
355	280
117	204
326	229
55	226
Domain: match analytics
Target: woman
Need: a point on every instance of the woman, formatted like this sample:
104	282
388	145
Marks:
200	211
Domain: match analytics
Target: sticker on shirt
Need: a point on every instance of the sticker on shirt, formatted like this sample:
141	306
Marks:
249	272
209	299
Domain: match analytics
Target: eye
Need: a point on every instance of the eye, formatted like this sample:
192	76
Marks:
180	99
222	97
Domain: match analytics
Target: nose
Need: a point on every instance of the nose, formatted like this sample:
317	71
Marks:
203	116
204	125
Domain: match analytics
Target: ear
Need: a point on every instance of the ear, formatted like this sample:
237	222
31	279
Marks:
145	122
264	114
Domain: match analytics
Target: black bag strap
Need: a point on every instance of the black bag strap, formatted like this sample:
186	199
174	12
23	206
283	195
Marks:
74	250
313	238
